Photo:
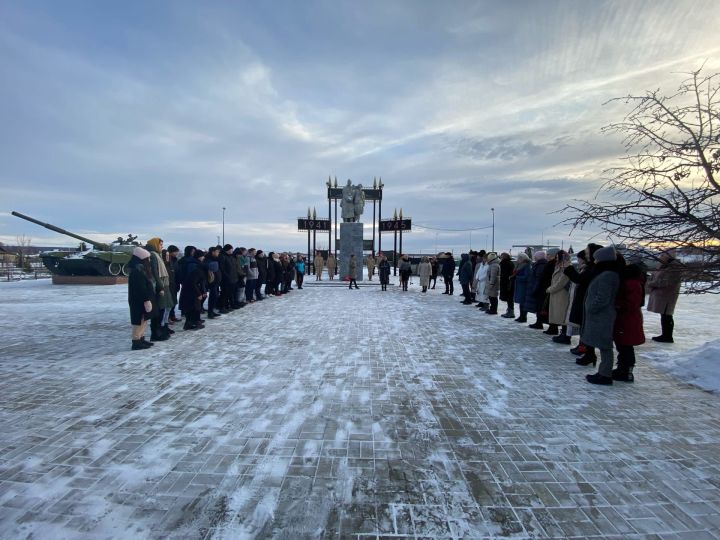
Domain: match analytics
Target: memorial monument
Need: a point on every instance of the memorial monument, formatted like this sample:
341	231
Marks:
351	229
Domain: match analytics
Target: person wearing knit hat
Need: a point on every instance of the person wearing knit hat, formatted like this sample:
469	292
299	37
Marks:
140	296
194	291
599	312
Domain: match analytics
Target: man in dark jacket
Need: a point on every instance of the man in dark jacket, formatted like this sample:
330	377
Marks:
507	267
448	272
174	283
535	296
464	276
229	279
141	296
262	263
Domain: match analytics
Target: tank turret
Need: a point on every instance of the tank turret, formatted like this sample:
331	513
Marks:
104	260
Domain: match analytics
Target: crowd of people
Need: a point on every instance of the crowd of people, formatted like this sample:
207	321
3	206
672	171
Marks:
599	299
164	287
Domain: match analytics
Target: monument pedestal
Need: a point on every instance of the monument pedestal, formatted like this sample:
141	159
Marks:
351	242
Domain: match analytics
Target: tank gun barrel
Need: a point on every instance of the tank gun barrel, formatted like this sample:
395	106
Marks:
98	245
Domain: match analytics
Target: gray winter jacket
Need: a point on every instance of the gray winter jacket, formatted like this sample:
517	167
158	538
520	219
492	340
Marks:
492	287
599	311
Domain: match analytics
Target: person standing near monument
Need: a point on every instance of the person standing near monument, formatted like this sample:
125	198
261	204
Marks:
370	266
384	272
331	265
299	271
424	271
318	263
352	270
405	271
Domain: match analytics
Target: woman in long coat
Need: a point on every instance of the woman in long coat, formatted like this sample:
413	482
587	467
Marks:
533	302
664	287
492	284
384	272
424	271
559	297
520	279
331	265
405	270
480	281
628	331
141	295
599	315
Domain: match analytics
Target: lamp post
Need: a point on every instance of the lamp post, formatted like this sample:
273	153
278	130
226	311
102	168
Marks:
493	229
223	230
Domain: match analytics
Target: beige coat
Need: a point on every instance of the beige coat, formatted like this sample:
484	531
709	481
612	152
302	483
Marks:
424	271
370	266
664	288
319	262
559	298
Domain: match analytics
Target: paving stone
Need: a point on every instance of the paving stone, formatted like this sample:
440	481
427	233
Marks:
394	415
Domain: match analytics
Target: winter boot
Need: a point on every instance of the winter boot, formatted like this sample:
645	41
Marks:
522	318
537	325
596	378
137	345
587	359
562	338
552	330
667	324
145	344
509	314
579	350
624	375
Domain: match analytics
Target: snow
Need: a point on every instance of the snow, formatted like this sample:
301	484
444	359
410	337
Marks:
336	413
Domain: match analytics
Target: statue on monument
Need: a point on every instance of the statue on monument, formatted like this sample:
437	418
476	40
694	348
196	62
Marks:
352	203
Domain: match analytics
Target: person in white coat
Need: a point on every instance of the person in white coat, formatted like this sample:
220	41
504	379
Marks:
481	274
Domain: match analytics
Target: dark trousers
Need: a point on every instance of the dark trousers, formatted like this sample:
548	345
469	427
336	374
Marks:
433	281
625	357
213	298
258	286
511	305
449	287
299	280
353	282
493	304
249	289
667	323
466	291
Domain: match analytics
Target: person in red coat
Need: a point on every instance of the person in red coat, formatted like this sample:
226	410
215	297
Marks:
628	329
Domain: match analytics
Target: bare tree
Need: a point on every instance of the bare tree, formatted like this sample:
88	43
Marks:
666	192
23	242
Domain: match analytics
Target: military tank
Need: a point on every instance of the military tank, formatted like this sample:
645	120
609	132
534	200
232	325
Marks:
103	260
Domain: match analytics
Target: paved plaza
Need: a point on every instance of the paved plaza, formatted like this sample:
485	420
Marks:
331	413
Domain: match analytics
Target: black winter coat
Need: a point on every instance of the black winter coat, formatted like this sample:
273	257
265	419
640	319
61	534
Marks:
262	263
448	268
384	271
228	269
140	290
507	267
194	285
533	282
465	274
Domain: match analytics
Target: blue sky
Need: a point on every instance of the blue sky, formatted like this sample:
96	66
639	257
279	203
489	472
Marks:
149	117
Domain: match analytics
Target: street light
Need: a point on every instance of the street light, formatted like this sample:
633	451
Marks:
223	231
493	229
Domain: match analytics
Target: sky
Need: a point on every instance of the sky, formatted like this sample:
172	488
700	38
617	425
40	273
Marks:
149	117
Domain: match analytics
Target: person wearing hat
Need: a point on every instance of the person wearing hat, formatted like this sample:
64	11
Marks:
331	265
318	263
581	277
599	312
479	281
448	273
140	296
559	297
664	287
492	286
520	278
194	291
352	272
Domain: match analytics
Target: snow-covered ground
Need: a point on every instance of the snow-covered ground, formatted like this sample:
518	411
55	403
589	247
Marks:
345	414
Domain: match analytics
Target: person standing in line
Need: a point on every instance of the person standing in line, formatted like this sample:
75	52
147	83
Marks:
599	316
278	270
492	287
228	280
172	267
238	300
433	271
262	263
140	296
628	332
582	278
370	261
331	265
384	272
289	272
507	267
559	297
299	271
424	272
194	291
159	323
465	276
534	294
480	280
252	276
520	280
318	264
215	277
448	273
664	286
352	269
405	270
